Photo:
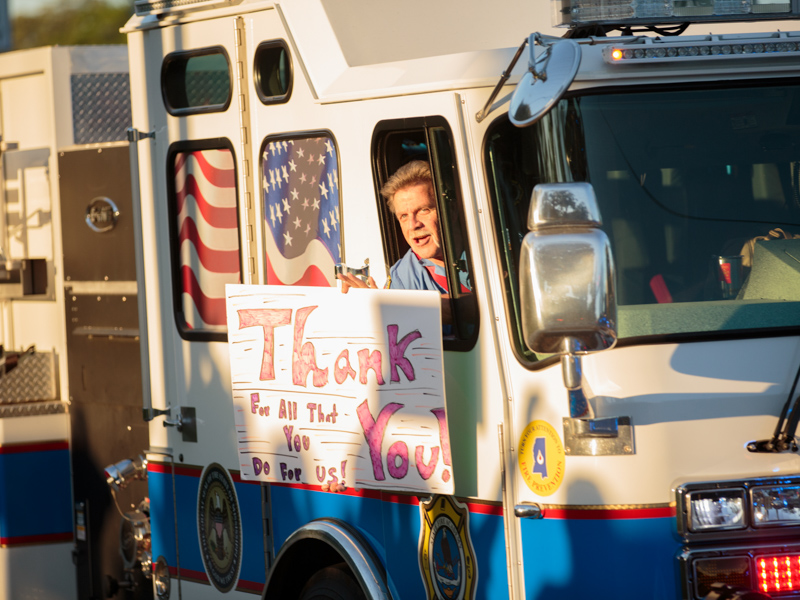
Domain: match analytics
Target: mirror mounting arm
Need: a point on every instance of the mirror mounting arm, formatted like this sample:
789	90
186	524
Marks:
572	371
484	112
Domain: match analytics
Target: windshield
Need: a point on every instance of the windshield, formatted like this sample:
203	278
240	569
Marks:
699	192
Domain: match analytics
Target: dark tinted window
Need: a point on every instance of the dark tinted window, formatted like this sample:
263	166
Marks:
273	72
195	82
699	191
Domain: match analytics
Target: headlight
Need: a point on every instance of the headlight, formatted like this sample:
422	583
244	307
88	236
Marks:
776	505
716	510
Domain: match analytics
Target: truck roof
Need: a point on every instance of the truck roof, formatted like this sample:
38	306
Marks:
357	49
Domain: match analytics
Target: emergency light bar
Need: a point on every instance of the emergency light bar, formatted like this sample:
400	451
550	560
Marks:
574	13
157	7
646	50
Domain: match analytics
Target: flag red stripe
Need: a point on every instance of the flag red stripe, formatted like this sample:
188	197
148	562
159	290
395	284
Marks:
218	261
223	217
212	310
223	178
313	276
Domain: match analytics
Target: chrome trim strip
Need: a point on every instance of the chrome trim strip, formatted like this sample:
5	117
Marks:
32	409
109	288
356	552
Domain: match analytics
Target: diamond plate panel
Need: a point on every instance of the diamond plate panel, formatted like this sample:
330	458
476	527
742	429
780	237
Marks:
101	107
33	380
33	409
207	88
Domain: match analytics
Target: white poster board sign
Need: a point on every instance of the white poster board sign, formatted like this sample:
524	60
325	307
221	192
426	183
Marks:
334	389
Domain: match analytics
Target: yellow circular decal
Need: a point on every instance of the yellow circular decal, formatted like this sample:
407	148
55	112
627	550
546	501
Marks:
541	458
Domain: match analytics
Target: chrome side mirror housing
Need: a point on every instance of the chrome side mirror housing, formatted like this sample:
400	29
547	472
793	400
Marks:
567	282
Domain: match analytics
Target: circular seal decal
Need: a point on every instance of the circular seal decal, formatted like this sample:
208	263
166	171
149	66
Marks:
102	214
541	458
219	527
446	557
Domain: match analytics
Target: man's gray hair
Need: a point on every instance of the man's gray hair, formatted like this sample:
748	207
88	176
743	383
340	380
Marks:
410	174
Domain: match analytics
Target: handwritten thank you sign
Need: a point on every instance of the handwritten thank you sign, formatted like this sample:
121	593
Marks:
333	389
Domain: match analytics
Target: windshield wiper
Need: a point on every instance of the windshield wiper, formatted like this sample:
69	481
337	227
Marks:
783	438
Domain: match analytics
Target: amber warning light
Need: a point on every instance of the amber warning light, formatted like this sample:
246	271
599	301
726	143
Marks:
778	573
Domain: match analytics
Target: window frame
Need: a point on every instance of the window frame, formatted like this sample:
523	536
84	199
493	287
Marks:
286	96
186	55
394	245
176	148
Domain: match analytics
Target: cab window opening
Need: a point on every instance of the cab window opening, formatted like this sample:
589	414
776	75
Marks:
273	72
430	141
195	82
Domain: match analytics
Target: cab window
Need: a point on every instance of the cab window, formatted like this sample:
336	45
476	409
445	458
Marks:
300	196
204	235
429	139
196	82
273	72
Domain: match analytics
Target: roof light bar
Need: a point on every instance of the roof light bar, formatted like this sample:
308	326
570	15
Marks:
572	13
157	7
643	50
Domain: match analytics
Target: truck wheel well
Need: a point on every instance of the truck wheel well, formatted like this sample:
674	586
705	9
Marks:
324	543
297	566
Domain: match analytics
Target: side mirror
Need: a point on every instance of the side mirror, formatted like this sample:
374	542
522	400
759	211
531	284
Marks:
567	282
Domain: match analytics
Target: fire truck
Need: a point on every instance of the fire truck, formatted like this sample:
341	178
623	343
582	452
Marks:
70	381
611	408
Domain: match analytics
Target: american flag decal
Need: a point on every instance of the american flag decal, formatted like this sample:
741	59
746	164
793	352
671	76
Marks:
300	183
208	234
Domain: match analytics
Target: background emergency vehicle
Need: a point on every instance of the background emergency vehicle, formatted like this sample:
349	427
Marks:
70	381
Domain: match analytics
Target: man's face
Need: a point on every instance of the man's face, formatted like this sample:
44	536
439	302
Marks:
415	209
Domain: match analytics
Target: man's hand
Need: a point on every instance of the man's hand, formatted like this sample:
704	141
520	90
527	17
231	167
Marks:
349	280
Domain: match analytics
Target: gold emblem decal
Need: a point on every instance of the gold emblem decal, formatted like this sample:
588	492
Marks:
446	558
541	458
219	527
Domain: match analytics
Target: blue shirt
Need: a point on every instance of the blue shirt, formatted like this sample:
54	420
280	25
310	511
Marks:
412	273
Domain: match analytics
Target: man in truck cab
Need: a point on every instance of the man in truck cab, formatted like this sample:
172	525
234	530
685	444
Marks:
410	197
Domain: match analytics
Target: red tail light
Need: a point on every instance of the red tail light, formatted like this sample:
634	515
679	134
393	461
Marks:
780	573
